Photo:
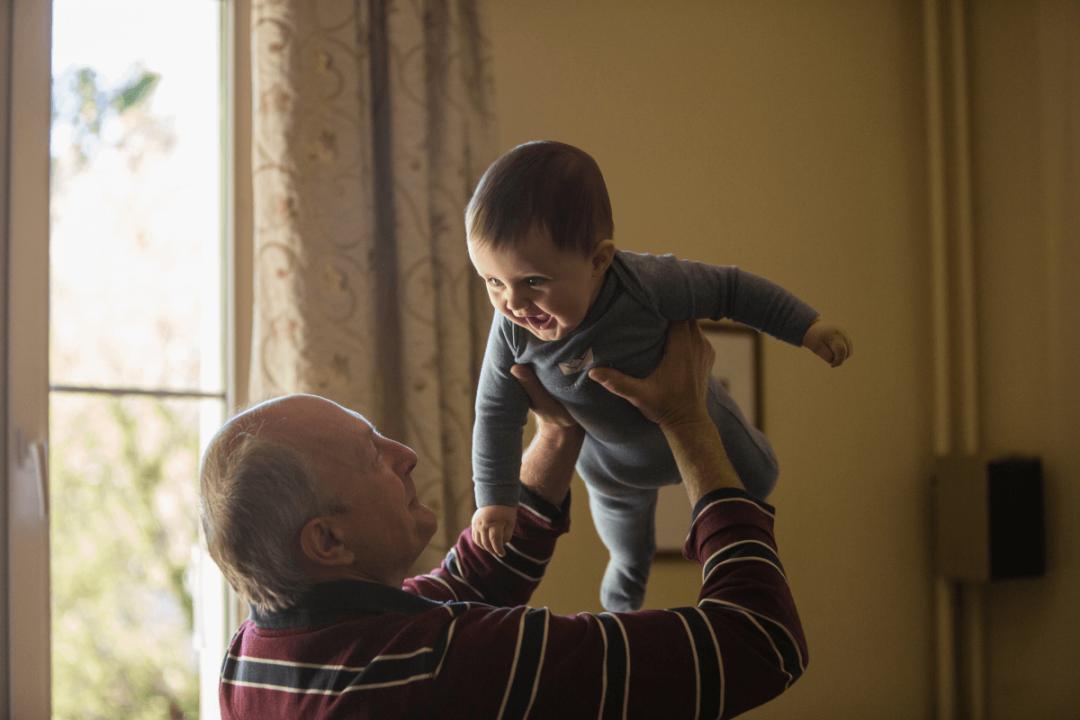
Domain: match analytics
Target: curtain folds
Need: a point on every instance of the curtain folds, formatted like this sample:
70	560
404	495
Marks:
371	124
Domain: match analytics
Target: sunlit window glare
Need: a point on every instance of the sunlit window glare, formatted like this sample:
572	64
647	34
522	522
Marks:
136	347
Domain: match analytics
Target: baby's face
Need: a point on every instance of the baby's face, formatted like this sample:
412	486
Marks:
536	285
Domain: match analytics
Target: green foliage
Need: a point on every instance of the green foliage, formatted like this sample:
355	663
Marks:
123	529
85	107
135	92
91	100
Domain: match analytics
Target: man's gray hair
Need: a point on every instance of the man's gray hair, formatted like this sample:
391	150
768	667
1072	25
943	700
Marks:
256	495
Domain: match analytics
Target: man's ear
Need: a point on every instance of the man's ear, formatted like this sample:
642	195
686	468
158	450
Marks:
323	544
602	256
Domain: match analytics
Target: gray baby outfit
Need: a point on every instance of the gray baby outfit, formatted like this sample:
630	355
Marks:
625	457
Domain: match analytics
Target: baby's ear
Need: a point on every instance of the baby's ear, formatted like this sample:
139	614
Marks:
602	256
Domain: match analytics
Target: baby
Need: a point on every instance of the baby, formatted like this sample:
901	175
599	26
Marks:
569	304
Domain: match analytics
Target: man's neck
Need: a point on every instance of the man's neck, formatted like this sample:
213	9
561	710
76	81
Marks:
321	574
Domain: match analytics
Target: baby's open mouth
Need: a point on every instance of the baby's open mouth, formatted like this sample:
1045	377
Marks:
540	321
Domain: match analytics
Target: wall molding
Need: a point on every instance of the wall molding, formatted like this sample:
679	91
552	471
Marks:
960	662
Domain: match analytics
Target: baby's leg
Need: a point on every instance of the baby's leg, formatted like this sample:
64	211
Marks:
626	524
750	452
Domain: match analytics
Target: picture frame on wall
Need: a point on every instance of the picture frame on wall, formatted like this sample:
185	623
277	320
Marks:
738	368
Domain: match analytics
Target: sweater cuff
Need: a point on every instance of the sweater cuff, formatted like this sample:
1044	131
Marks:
725	493
803	317
721	509
507	495
555	517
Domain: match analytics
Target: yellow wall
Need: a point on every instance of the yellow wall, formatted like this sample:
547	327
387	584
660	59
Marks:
789	138
786	138
1026	151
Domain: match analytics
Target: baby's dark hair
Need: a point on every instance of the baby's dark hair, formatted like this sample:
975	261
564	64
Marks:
541	185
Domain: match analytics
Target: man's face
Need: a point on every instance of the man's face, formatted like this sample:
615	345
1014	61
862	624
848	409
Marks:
536	285
384	524
387	522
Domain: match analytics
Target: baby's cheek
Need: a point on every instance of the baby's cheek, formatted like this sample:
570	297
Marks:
574	315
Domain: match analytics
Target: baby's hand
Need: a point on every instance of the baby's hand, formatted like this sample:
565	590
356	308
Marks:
492	527
829	342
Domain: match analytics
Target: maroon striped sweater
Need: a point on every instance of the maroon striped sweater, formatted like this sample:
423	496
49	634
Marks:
459	642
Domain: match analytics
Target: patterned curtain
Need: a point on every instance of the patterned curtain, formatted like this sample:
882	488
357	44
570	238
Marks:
371	125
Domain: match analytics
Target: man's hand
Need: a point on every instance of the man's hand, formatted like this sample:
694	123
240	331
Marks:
674	397
828	342
548	411
492	527
675	391
548	464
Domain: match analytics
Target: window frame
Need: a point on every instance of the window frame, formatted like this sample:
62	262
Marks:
25	619
28	108
5	63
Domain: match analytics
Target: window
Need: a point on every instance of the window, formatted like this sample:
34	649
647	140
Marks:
137	353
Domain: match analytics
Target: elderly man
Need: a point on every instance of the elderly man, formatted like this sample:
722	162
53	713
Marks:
313	517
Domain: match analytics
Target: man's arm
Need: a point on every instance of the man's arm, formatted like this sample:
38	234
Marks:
548	465
471	573
740	646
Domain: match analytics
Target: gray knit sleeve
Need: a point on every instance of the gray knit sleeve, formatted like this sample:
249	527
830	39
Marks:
501	409
684	289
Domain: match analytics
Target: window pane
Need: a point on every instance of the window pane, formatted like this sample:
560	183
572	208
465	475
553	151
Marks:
136	194
124	534
136	300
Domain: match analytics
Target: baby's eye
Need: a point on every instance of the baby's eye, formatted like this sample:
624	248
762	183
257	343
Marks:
534	281
494	282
